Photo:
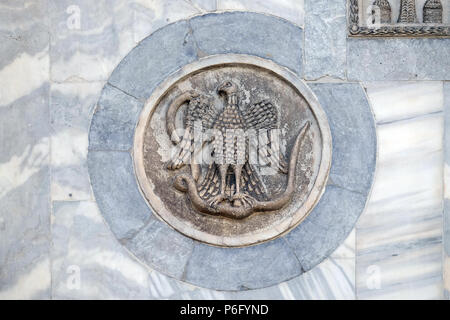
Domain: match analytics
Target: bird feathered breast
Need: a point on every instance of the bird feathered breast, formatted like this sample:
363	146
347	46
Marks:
259	116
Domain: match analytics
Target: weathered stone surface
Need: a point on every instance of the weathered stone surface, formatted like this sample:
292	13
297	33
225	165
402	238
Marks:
325	39
398	59
116	192
71	109
157	56
241	268
447	277
249	33
326	226
162	248
114	120
353	132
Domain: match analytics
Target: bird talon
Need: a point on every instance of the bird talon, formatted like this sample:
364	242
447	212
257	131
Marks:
214	202
242	198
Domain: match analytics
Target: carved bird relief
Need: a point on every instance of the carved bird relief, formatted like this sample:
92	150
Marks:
231	186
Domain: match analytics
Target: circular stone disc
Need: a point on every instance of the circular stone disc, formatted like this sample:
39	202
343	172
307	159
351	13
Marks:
267	102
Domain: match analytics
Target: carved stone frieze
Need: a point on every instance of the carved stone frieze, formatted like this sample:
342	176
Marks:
399	18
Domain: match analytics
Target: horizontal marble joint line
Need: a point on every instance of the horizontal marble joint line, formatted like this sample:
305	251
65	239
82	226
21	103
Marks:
397	248
333	184
420	116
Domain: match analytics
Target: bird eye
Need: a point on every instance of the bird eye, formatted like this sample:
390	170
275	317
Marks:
228	84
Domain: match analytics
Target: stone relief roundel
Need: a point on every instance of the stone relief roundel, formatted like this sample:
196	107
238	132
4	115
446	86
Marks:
232	150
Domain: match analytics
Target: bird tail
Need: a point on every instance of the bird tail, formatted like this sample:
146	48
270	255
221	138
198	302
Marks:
210	185
252	183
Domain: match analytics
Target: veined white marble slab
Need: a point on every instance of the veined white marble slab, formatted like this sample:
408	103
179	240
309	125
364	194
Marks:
393	101
87	262
24	152
150	15
446	271
399	237
71	109
89	38
446	227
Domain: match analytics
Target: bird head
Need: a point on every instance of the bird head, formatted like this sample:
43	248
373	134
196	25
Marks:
227	88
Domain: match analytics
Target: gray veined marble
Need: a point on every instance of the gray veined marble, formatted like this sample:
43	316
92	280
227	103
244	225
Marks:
25	242
24	197
399	236
249	33
353	133
446	229
162	248
71	109
396	250
114	120
325	39
87	262
116	192
88	38
204	5
291	10
242	268
150	16
154	59
447	168
398	59
326	226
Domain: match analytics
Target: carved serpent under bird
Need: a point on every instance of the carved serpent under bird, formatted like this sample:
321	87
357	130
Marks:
231	186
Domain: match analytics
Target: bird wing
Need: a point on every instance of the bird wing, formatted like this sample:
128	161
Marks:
199	112
200	109
263	116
